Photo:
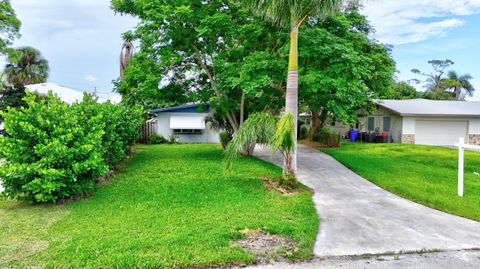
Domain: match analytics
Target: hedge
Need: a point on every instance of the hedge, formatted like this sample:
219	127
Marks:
54	151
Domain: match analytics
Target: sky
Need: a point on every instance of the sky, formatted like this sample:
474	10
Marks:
82	38
422	30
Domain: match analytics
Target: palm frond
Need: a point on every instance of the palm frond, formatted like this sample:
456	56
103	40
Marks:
259	128
284	138
284	11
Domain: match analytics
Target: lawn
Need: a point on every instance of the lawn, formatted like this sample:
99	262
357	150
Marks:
173	206
424	174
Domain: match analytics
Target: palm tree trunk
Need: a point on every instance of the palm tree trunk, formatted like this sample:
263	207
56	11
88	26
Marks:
291	98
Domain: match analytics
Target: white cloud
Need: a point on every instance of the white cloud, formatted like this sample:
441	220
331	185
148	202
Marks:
90	78
408	21
77	37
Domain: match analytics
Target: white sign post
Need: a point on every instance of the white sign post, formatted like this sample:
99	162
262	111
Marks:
461	150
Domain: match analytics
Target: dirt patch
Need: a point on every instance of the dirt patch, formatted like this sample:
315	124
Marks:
275	185
267	247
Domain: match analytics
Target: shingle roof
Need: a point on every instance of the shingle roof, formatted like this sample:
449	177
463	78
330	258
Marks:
432	108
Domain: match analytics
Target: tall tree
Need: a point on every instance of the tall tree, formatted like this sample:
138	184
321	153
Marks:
343	69
434	79
192	50
293	14
458	84
28	67
403	90
9	27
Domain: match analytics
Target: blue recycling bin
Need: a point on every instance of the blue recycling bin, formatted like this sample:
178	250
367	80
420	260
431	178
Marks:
353	135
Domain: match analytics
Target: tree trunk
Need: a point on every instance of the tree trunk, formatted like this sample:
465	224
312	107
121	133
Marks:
323	117
200	62
291	98
242	108
315	123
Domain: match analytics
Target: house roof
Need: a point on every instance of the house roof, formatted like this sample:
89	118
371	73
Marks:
192	108
432	108
65	94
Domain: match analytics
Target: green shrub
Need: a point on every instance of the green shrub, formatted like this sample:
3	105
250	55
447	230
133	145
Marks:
303	132
55	151
120	127
321	134
173	139
156	139
52	151
327	138
225	138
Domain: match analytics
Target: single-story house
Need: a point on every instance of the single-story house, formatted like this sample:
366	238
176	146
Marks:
427	122
65	94
186	123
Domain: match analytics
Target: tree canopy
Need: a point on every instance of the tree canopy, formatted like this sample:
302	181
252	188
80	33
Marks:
197	50
9	27
27	66
342	68
222	53
444	84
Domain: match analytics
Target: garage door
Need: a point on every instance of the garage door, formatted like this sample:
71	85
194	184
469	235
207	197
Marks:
439	132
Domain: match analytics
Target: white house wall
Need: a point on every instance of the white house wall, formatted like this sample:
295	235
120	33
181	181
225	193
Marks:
410	122
209	136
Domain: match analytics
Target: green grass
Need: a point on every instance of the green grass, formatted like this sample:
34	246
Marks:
424	174
173	206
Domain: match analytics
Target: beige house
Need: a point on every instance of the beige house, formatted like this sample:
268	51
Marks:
427	122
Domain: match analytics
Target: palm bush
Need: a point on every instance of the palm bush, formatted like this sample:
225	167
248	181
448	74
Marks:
264	129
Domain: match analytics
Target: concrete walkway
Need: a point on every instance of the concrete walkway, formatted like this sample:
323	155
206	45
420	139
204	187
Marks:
357	217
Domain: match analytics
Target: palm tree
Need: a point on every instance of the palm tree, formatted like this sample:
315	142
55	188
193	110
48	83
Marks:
293	13
26	66
459	84
125	57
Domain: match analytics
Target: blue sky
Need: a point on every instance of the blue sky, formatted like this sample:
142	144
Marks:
82	38
421	30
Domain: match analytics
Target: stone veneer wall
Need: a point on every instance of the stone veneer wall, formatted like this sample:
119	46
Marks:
474	139
408	139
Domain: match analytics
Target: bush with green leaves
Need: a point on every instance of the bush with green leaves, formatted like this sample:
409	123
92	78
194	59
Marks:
156	139
303	132
225	138
327	138
55	151
121	125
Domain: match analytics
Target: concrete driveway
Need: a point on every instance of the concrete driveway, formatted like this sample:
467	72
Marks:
357	217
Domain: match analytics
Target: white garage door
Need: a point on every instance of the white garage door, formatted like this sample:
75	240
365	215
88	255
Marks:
440	132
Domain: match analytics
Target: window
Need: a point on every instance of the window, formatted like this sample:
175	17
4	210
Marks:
187	131
386	124
371	123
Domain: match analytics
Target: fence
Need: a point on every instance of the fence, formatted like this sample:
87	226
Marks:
146	130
